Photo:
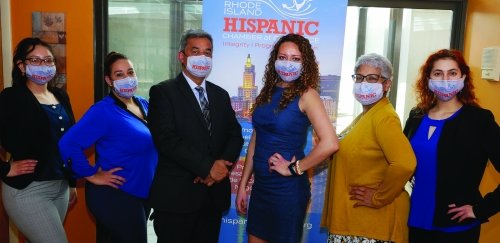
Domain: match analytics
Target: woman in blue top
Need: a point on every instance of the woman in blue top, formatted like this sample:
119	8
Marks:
453	139
285	109
126	159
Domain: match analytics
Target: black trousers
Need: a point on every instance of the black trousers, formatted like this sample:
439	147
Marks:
120	217
430	236
201	226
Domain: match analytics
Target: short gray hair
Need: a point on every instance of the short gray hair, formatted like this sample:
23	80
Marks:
377	61
199	33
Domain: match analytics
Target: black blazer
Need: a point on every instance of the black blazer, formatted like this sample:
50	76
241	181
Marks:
186	149
25	130
465	145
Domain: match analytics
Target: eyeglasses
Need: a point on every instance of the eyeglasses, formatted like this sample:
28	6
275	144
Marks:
36	61
370	78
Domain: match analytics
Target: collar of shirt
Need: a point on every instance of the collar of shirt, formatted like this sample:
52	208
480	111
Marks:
193	86
118	101
122	105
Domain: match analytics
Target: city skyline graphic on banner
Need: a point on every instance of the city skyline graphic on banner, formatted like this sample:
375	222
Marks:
245	31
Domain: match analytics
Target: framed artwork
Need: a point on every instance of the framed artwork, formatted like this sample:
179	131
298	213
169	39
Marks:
51	28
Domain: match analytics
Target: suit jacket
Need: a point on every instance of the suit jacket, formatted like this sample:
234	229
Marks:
186	149
25	130
464	147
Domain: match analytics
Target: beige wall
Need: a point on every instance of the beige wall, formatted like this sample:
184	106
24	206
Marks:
482	30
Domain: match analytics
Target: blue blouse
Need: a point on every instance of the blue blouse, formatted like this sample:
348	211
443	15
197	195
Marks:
59	123
121	139
423	193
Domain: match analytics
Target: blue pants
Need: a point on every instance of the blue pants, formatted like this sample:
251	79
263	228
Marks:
121	215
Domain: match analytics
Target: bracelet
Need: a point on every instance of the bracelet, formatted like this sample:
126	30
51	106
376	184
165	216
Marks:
297	167
291	167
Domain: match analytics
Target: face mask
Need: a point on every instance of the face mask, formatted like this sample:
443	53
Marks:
446	89
40	74
199	66
368	93
288	71
125	87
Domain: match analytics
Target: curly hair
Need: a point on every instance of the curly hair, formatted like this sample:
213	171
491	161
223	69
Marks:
309	77
426	98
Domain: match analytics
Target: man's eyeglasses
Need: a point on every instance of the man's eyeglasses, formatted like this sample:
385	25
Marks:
370	78
36	61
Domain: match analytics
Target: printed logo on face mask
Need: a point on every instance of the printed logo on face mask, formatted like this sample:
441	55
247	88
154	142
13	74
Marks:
40	74
288	70
199	66
446	89
125	87
368	93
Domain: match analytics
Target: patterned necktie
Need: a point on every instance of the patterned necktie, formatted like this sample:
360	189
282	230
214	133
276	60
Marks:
204	106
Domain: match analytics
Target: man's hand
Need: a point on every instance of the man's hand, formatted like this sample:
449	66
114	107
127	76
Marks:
219	170
207	181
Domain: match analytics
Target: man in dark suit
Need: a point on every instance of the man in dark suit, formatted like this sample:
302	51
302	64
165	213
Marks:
198	139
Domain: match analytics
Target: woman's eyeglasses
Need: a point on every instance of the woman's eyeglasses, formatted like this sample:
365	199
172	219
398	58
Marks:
370	78
36	61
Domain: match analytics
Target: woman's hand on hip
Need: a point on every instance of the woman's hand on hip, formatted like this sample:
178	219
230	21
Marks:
363	196
280	164
107	178
21	167
461	213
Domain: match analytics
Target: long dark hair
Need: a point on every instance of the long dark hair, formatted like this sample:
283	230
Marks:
23	48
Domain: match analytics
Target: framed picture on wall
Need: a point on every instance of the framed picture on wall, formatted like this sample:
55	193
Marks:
51	28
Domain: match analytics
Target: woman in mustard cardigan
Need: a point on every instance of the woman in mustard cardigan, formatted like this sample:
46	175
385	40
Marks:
365	199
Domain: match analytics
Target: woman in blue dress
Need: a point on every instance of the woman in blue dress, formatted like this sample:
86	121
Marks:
286	107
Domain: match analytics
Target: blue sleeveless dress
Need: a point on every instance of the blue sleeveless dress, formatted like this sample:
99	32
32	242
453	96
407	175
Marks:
278	203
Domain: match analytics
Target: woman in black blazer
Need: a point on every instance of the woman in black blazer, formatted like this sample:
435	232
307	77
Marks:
453	139
35	188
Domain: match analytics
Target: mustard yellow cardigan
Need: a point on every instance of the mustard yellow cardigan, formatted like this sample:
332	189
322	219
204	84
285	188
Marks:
375	153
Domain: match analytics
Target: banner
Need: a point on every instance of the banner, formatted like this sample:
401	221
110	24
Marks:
244	32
